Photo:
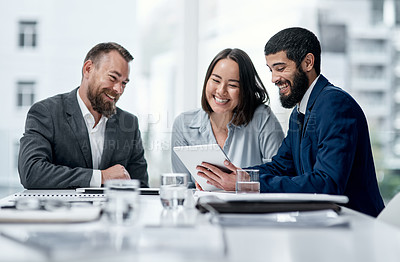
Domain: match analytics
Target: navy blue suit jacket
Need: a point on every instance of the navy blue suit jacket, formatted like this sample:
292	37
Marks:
333	156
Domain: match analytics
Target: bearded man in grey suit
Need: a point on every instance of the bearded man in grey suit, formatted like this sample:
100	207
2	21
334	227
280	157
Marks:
81	139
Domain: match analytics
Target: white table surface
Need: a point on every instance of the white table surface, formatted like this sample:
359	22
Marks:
365	239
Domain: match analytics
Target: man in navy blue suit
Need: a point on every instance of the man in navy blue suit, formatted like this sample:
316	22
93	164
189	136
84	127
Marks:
327	148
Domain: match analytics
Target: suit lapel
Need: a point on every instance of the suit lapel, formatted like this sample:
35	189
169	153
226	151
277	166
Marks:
297	152
78	126
319	86
110	142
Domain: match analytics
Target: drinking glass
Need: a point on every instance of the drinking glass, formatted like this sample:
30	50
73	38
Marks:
122	206
247	181
173	188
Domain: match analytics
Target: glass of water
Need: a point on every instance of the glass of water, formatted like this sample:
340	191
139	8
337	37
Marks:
247	181
122	206
173	187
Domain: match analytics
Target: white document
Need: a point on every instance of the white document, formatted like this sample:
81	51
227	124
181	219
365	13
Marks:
286	197
63	206
192	156
276	197
71	215
318	218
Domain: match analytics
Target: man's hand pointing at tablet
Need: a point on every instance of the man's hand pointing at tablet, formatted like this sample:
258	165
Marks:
218	178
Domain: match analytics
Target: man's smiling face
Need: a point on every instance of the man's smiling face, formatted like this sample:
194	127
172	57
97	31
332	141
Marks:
291	80
107	83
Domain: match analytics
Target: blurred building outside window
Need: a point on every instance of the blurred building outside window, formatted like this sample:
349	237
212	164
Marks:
25	93
27	34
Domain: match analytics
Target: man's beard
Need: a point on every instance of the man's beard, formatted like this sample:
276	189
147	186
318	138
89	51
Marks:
105	108
297	90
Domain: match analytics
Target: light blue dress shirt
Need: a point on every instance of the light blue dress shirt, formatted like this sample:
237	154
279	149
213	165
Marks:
245	146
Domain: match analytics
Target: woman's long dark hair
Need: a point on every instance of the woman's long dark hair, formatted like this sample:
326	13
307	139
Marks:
252	92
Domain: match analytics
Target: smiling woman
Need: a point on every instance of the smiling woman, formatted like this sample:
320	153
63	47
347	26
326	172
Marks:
222	92
233	114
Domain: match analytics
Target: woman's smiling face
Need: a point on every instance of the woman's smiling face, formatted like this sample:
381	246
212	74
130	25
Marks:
222	90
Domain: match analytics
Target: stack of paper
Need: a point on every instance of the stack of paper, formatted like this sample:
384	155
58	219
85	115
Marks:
67	215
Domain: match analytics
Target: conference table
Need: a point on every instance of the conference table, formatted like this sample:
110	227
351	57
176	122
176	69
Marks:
188	235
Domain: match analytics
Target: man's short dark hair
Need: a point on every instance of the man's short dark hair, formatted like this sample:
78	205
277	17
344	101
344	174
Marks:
297	43
104	48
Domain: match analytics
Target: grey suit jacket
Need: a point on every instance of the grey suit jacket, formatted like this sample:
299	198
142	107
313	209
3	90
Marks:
55	149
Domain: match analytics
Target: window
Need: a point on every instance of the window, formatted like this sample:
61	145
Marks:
25	93
372	98
370	46
397	12
377	11
27	34
333	37
370	72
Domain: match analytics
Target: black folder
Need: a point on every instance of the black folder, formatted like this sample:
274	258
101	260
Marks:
268	203
264	207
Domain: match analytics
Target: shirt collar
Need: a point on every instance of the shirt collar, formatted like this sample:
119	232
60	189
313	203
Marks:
302	106
202	122
86	113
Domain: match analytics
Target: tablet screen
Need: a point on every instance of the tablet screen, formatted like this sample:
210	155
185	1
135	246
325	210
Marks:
192	156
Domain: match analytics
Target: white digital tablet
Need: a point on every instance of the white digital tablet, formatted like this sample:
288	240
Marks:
192	156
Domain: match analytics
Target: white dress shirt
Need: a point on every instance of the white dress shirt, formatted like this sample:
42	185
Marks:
96	138
302	106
